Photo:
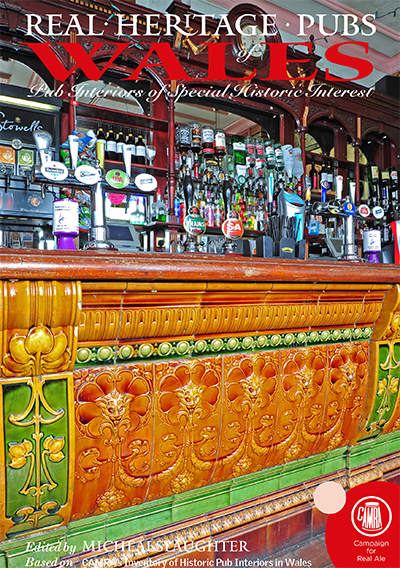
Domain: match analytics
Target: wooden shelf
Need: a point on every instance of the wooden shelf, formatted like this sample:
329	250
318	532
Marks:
318	158
86	114
136	168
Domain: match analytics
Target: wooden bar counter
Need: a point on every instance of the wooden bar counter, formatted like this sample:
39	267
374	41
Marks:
143	390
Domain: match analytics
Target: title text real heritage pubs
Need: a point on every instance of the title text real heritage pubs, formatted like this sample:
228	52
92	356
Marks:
349	24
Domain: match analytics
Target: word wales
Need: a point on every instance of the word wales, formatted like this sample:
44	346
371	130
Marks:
216	61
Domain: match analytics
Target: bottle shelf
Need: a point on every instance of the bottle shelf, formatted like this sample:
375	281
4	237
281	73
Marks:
318	158
136	168
86	114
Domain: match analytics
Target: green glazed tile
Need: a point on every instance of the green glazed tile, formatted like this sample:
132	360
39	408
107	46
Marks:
128	524
335	460
29	554
359	455
379	448
199	506
78	535
393	444
302	473
252	490
203	492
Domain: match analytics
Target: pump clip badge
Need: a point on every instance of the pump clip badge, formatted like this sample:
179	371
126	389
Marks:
349	208
117	179
194	223
146	182
87	174
54	171
232	227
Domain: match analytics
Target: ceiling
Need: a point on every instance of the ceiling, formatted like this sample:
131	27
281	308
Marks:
380	6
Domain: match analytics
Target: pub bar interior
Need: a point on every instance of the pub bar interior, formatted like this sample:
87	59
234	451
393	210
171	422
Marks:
200	280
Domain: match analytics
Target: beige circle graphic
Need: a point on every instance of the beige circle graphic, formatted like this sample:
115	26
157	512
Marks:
329	497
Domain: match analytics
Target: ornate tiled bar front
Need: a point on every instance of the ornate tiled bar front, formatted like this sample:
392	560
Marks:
136	384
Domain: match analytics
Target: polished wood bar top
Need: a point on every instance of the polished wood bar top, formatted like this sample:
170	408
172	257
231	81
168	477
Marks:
92	266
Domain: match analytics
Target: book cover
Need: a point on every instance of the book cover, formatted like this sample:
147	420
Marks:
154	452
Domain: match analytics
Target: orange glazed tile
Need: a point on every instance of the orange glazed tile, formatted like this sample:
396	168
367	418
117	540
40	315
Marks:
113	437
186	424
301	403
346	389
250	407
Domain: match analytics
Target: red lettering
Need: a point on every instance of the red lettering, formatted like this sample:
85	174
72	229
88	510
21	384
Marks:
168	61
216	59
76	51
363	66
216	64
278	60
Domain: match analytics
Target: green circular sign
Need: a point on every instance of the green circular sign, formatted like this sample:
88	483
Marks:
117	179
194	225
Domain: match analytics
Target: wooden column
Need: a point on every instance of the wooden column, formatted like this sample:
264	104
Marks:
171	152
356	145
71	110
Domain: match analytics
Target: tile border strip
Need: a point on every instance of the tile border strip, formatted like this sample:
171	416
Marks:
215	346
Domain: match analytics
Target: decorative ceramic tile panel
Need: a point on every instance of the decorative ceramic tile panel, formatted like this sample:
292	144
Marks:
114	433
37	449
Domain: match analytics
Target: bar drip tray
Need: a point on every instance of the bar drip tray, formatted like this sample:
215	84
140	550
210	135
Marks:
28	204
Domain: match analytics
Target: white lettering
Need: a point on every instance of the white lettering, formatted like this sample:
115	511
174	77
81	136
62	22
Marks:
150	24
302	22
132	25
224	23
368	24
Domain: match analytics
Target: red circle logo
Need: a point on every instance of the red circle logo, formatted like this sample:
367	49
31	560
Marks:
371	516
232	228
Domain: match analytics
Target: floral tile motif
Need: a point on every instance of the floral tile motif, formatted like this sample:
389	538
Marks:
303	375
186	425
348	377
113	409
250	407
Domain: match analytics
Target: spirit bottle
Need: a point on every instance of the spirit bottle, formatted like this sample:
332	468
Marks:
250	155
384	189
140	150
209	211
158	209
207	142
279	163
120	144
111	145
270	155
313	177
217	212
220	143
101	145
260	158
239	155
201	204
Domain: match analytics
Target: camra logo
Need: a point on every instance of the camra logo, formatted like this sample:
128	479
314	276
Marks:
371	516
